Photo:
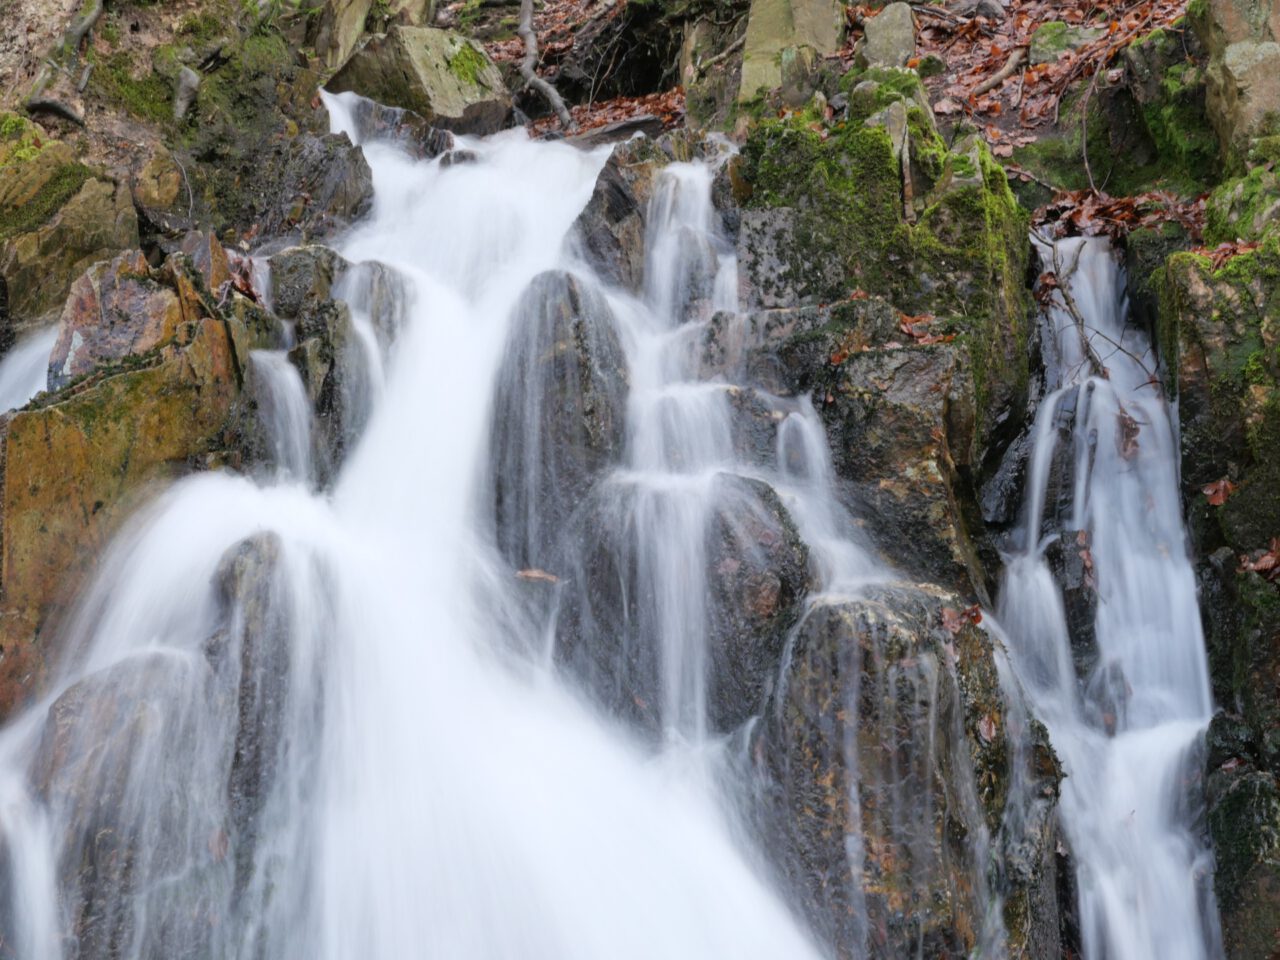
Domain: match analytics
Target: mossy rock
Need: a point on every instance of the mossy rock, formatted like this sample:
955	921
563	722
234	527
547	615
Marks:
1243	208
824	215
440	75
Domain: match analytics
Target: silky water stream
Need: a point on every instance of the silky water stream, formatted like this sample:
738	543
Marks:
1111	652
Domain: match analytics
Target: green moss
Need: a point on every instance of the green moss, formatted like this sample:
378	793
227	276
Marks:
201	28
148	97
1238	209
60	188
964	259
12	126
467	64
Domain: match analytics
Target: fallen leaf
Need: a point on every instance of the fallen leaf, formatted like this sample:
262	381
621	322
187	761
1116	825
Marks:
1218	491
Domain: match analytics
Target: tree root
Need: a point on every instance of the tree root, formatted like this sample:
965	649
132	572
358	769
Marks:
531	79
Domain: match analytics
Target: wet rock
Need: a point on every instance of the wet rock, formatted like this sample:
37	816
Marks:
445	78
611	227
302	279
884	763
559	414
334	372
376	121
901	426
758	570
756	573
134	419
1244	820
98	735
314	186
890	39
254	632
776	26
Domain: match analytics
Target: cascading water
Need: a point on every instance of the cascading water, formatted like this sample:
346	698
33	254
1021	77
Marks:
1116	666
299	725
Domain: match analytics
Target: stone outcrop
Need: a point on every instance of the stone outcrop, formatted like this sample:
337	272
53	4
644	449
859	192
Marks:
147	397
444	77
611	227
779	30
559	414
1243	42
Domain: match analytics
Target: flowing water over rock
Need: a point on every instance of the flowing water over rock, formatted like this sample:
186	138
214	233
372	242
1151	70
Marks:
551	632
294	725
1104	630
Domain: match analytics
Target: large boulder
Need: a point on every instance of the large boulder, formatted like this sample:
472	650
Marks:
890	39
824	219
886	762
128	420
121	771
442	76
1243	73
777	29
1219	343
115	310
559	415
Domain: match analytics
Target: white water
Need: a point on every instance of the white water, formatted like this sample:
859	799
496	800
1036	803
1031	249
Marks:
24	371
412	786
1129	732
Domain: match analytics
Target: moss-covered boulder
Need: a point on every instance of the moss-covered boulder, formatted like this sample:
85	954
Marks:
57	217
1221	340
824	215
885	762
440	75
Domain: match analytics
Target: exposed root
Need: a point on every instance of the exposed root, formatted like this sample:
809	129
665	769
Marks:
531	78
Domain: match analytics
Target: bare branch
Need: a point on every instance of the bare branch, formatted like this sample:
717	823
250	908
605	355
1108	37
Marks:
531	79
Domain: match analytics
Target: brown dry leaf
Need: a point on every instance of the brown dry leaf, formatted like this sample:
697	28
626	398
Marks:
534	574
1218	491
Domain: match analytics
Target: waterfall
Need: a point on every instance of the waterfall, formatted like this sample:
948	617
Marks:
301	724
1110	650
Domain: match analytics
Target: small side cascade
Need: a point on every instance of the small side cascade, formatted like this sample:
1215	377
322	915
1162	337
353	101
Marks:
1103	628
286	414
24	371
